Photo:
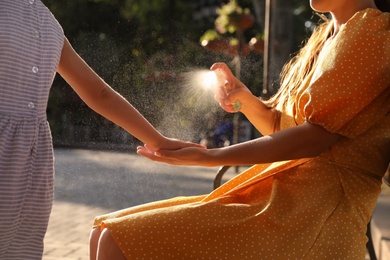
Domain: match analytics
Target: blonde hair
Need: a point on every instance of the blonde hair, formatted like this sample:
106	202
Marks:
300	66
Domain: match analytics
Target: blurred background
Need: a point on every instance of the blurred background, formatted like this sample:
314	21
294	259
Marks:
142	48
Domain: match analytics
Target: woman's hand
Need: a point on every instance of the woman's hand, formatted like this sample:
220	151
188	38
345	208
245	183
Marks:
194	155
259	114
231	91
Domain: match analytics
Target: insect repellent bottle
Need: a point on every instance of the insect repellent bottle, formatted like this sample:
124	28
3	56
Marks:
228	88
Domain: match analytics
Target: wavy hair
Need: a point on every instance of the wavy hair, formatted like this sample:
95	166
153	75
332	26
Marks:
301	65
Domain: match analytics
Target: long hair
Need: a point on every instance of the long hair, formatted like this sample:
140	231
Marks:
299	67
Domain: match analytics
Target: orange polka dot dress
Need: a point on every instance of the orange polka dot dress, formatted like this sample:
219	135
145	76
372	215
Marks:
315	208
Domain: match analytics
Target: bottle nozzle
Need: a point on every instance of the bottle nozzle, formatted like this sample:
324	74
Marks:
228	88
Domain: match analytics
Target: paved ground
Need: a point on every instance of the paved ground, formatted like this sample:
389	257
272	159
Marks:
89	183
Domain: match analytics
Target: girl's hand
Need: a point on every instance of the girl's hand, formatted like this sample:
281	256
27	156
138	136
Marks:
174	144
232	90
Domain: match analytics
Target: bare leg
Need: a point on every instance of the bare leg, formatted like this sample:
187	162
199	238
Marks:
107	247
93	242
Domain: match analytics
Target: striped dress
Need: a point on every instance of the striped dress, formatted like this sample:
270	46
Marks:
31	41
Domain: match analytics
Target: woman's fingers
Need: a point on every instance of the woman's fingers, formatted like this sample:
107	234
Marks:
227	99
223	99
185	156
141	150
224	104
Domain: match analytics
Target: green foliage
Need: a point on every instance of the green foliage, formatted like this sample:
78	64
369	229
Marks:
210	35
229	16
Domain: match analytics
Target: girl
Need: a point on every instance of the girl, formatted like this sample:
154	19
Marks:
318	169
32	49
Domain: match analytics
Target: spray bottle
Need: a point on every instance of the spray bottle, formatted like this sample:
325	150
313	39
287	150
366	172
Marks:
228	88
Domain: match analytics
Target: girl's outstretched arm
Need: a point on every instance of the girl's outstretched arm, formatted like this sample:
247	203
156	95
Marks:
99	96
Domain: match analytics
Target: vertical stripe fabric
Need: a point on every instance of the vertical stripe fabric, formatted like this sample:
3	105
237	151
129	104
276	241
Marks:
31	41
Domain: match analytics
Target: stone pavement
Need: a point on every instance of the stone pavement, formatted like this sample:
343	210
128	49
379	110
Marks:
90	183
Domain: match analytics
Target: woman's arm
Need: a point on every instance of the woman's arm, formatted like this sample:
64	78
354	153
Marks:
99	96
303	141
265	119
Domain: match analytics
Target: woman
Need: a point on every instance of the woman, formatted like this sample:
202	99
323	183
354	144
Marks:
317	172
32	49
